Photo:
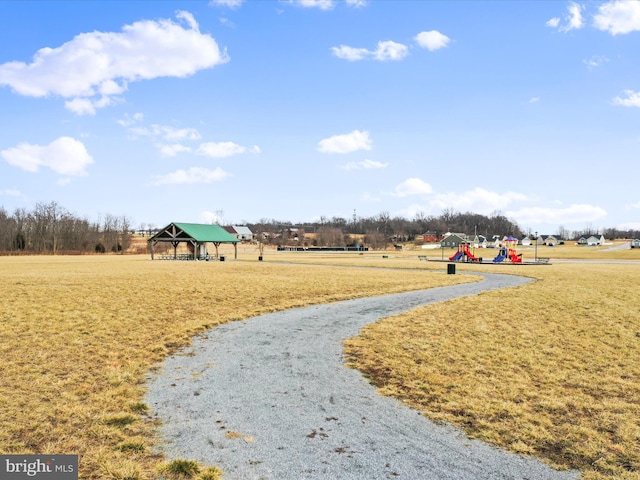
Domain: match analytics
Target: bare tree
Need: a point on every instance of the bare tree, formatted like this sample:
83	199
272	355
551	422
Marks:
330	237
375	240
125	233
562	232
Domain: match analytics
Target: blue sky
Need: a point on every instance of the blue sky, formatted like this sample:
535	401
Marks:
241	110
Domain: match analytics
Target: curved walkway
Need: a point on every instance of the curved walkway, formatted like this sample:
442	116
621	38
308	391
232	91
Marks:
270	398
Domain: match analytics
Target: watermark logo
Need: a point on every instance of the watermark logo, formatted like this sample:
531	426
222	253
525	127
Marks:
40	467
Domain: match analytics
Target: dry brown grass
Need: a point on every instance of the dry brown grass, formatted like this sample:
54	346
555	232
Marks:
79	334
550	369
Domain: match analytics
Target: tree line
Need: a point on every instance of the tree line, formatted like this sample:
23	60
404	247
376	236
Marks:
51	229
381	229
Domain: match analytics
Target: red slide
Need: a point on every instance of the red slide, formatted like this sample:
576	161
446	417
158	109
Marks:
515	258
469	254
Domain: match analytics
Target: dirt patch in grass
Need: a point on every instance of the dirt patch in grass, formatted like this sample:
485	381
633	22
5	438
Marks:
79	334
550	369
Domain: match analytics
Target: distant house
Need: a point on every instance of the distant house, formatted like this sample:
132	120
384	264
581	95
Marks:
591	240
453	240
495	242
525	241
550	240
596	240
539	240
477	241
293	233
635	243
240	232
429	237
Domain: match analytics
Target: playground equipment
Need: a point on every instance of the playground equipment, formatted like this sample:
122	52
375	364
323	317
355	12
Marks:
463	254
508	252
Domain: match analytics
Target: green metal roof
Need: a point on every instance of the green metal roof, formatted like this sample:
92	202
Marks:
196	231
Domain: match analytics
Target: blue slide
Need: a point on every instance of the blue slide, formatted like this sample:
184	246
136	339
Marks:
499	259
456	256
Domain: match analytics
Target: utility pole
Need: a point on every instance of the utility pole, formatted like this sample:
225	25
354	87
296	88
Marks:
536	234
475	236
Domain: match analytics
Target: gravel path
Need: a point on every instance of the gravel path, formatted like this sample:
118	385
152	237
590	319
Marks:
270	398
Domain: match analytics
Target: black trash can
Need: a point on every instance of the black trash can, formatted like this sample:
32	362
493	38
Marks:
260	258
222	258
451	268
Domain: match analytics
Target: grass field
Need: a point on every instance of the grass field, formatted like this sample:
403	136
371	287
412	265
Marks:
79	334
550	369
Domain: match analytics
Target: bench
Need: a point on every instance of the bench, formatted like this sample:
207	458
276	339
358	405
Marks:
180	256
543	260
422	257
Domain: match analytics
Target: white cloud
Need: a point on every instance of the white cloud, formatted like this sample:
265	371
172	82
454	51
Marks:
576	213
534	99
432	40
386	51
80	106
9	192
324	4
479	200
632	100
350	53
166	132
128	120
573	19
93	67
65	155
350	142
170	133
227	22
595	61
364	165
191	176
321	4
174	138
553	22
412	186
632	206
618	17
390	51
173	149
224	149
227	3
629	226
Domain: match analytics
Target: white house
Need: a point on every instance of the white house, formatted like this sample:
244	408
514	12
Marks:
591	240
241	232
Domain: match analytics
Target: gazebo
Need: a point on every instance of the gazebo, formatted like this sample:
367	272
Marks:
196	236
